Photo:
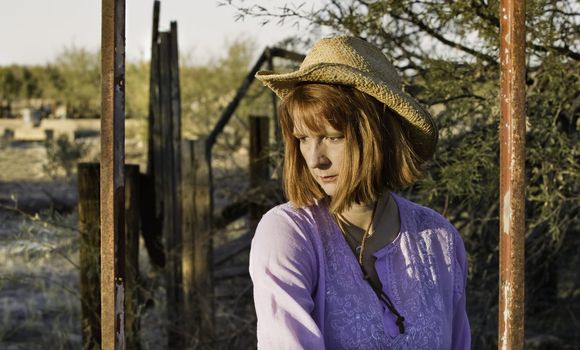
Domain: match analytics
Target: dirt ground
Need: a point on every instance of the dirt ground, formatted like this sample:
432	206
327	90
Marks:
39	274
39	244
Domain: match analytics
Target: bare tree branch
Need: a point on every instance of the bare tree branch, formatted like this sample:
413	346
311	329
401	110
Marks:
416	21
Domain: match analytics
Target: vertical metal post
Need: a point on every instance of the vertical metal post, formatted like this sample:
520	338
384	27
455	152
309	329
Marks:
512	191
112	174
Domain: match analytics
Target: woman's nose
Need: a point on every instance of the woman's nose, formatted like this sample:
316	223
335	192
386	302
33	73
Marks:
316	156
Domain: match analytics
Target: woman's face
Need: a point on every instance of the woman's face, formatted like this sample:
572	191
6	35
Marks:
323	153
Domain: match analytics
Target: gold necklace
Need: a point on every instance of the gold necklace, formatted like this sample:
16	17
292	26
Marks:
360	249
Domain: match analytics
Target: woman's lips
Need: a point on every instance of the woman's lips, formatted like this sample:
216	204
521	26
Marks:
327	178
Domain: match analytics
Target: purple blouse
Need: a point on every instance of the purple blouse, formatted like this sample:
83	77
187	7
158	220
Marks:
309	290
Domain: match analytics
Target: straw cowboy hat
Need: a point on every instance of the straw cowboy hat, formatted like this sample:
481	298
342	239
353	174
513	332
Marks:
353	62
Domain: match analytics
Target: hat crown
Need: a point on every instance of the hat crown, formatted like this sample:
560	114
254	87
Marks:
355	53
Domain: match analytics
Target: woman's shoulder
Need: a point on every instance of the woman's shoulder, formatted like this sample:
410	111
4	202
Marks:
307	215
286	221
423	217
286	236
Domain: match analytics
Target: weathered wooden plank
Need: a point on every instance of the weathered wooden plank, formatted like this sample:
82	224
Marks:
176	192
153	88
191	311
259	172
203	242
90	262
132	220
154	152
172	253
152	204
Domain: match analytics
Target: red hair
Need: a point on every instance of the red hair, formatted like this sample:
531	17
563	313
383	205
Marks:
377	152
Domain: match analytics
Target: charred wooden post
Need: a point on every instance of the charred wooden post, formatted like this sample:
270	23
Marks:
90	262
154	164
190	308
175	243
132	221
197	248
512	166
153	88
152	205
171	139
112	190
203	242
166	160
259	173
175	140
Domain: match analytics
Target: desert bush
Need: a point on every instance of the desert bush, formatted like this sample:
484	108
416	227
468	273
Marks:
62	156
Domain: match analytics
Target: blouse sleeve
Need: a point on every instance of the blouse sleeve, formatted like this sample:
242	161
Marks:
461	337
283	267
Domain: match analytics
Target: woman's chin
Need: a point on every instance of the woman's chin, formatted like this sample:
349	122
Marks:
329	189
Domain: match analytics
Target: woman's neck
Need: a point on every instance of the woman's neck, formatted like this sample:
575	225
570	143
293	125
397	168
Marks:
360	215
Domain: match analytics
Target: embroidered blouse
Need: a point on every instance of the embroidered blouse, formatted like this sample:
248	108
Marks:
309	290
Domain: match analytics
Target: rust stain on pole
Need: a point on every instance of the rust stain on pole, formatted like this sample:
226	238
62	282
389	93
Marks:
112	174
512	191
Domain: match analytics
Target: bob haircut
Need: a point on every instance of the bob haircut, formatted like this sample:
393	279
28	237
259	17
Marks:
377	155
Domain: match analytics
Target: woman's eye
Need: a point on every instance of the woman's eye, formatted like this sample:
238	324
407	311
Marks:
334	138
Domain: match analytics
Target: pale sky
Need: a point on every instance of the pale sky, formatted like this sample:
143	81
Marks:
35	31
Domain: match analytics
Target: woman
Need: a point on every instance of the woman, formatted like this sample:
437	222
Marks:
346	263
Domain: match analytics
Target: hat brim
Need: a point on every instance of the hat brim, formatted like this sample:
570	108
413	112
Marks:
422	127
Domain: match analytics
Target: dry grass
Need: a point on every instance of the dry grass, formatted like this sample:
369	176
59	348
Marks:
39	241
39	279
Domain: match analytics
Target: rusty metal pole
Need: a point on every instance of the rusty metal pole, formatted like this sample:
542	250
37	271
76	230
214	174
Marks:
512	190
112	175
